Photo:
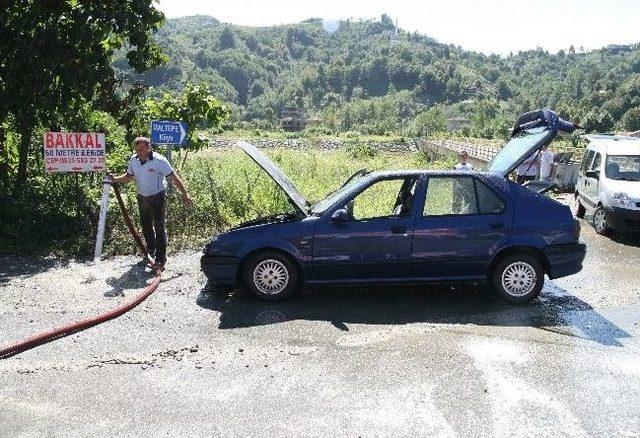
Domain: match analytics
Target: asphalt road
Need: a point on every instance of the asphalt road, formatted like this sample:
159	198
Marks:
421	361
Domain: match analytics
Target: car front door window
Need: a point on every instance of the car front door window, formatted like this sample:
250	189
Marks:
386	198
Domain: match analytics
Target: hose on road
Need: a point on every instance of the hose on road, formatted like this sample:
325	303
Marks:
66	330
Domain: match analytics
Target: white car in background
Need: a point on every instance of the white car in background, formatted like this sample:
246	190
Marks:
609	183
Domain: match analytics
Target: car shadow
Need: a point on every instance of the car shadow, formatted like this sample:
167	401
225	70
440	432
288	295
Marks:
625	239
622	238
555	310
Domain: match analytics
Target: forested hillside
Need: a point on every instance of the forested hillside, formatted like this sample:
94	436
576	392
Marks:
368	77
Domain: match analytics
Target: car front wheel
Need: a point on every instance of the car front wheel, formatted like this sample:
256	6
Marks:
600	221
271	276
518	278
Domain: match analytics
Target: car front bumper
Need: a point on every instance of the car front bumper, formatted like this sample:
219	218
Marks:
220	271
565	259
623	219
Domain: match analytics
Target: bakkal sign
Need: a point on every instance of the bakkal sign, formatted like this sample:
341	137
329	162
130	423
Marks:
168	132
74	152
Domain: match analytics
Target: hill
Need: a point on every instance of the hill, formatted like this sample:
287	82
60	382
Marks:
368	76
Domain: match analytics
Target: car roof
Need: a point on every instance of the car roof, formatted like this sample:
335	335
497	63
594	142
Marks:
614	144
415	172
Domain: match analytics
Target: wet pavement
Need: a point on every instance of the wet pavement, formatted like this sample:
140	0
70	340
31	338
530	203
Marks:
432	360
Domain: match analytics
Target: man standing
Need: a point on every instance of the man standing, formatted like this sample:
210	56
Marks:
527	170
546	163
464	162
150	170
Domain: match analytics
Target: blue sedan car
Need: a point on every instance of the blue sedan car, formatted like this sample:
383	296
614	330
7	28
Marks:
407	226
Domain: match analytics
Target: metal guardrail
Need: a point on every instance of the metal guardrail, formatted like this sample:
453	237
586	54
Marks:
486	153
478	152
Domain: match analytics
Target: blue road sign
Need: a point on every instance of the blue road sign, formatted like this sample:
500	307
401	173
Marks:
168	132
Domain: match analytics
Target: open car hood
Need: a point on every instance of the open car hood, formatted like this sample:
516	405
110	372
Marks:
531	131
294	195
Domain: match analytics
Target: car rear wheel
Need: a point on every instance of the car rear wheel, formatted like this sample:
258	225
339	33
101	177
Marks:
271	276
518	278
600	221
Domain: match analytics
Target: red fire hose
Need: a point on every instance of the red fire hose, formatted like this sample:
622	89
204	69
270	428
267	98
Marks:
75	327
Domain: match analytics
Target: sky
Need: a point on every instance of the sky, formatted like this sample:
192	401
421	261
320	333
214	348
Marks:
488	26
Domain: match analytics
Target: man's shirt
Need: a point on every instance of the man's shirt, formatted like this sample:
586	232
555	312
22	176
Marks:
461	166
151	175
528	167
546	161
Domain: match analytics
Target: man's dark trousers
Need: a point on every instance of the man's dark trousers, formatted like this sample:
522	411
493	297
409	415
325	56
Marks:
153	215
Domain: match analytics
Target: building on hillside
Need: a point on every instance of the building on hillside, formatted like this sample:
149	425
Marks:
292	119
314	121
457	123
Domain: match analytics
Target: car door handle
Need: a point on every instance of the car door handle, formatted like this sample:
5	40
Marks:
496	225
398	229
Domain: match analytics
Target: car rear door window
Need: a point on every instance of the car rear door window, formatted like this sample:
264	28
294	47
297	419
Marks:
458	195
450	196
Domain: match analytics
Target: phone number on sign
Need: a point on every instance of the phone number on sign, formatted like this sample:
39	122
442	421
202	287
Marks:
75	160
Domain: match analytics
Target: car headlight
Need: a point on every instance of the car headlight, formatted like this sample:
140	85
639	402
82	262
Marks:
621	199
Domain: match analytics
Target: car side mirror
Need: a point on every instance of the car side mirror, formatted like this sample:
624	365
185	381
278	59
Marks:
592	174
339	216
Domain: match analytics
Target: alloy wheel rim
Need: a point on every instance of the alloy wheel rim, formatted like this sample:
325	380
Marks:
519	279
271	277
600	220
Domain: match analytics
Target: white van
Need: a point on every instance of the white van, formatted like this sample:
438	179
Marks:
609	183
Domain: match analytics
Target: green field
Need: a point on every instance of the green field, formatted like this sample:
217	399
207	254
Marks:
229	188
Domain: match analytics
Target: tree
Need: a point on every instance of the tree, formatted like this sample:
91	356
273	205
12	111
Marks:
631	119
597	121
195	106
227	39
56	57
428	123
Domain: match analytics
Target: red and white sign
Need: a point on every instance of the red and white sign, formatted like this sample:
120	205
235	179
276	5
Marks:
74	152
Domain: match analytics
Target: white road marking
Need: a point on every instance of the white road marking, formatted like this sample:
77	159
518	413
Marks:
518	408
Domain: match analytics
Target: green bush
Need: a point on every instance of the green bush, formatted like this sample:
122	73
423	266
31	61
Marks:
360	149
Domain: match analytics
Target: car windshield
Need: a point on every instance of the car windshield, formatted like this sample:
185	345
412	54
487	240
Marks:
623	167
517	149
320	206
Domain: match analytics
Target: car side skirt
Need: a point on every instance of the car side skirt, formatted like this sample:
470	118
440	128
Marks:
399	280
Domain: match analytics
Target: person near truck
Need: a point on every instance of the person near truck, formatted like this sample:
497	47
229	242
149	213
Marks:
150	170
463	164
546	164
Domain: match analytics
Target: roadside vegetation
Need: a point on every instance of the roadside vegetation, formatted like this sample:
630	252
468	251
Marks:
226	185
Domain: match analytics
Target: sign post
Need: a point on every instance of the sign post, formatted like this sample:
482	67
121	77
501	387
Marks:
74	152
104	205
79	152
170	133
